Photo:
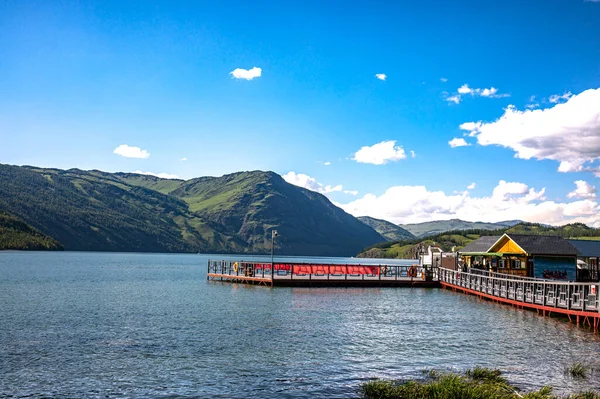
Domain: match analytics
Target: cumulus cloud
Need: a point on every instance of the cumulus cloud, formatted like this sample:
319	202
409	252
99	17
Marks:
454	99
583	190
351	192
508	200
131	152
327	163
381	76
247	74
568	133
555	98
161	175
464	90
183	159
471	186
380	154
302	180
458	142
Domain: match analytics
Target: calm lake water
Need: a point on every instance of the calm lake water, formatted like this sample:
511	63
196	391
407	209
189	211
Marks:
86	325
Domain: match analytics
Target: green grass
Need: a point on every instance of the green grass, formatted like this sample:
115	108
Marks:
478	383
579	370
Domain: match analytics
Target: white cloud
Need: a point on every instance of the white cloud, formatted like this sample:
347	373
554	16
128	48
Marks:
381	76
533	105
131	152
351	192
471	186
183	159
444	80
470	126
555	98
463	90
458	142
488	92
302	180
508	200
454	99
327	163
247	74
413	154
583	190
568	133
161	175
380	154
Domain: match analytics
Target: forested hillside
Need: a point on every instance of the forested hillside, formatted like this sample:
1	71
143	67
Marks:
389	231
16	234
94	210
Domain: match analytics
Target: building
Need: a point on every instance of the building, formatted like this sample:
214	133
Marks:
523	255
588	268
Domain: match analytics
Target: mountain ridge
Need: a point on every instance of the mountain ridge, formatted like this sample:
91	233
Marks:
388	230
234	213
440	226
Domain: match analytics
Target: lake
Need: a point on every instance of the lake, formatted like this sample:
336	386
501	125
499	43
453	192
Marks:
118	325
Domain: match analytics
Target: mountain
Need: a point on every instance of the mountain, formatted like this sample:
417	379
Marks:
16	234
408	249
440	226
100	211
388	230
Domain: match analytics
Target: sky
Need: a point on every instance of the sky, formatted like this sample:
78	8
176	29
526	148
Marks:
408	111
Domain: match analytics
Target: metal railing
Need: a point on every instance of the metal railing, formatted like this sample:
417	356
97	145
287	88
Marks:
567	295
281	270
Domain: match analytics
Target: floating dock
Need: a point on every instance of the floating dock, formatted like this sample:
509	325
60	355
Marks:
321	275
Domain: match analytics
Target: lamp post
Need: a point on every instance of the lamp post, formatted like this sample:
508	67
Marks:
274	234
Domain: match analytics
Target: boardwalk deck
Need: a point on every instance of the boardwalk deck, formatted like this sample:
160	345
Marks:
321	275
577	301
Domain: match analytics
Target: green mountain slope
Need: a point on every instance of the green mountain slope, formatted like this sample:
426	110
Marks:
388	230
94	210
408	249
16	234
440	226
249	204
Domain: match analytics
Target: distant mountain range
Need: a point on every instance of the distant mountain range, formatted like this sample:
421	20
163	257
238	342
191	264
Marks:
440	226
447	240
389	230
235	213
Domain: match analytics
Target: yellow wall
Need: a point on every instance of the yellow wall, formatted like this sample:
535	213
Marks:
507	246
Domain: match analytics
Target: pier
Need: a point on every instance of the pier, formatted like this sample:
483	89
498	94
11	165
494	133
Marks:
323	275
576	300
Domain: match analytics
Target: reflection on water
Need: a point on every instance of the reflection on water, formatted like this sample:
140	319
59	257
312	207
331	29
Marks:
123	325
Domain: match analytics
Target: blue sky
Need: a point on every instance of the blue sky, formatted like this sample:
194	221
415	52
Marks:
80	79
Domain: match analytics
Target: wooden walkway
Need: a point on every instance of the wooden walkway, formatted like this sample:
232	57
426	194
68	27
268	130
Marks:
577	301
320	275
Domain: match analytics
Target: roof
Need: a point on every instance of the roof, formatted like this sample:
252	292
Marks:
482	244
586	248
543	245
532	244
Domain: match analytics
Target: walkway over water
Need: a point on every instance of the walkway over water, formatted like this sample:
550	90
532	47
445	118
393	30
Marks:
318	274
578	301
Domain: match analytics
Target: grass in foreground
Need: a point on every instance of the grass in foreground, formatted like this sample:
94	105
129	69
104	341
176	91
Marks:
478	383
579	370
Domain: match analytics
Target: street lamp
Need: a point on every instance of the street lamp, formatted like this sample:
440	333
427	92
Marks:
274	234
